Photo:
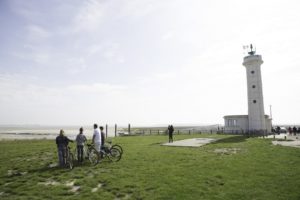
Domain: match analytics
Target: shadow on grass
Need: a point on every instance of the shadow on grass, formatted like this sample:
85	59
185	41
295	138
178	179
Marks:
233	139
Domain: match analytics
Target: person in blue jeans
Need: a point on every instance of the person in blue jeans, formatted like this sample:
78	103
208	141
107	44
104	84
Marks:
80	140
62	144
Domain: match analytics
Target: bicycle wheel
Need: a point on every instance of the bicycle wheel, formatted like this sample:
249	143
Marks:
116	146
70	161
93	156
114	154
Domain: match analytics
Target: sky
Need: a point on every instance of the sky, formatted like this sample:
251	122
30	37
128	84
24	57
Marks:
145	62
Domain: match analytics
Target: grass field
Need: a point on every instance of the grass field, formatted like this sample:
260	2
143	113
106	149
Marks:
234	167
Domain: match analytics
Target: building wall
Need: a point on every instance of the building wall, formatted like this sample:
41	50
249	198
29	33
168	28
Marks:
239	124
236	124
268	124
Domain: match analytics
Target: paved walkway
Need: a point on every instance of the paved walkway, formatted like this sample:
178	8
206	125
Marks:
284	140
291	140
194	142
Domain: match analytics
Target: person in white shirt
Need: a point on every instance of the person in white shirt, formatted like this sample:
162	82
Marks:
97	138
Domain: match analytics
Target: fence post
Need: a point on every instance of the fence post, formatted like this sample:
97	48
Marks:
150	131
129	129
106	127
189	132
178	132
115	130
143	132
158	132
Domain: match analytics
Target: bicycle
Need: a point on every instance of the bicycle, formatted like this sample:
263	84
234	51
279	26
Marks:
113	154
69	158
115	146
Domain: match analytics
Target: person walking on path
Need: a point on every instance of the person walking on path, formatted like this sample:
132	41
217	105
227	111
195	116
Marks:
97	138
62	144
80	140
170	131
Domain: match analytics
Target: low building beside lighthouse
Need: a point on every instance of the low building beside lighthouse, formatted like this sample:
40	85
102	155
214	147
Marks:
256	121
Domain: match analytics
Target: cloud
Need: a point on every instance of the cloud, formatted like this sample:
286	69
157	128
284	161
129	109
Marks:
76	65
37	33
97	88
168	35
90	16
138	8
22	96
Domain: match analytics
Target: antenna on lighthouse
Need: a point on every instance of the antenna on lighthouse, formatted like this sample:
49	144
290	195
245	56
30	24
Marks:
249	49
252	51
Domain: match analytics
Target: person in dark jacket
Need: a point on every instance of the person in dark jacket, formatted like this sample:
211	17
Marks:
295	130
170	131
62	144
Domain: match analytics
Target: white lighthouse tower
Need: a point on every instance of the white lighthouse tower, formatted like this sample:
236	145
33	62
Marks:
256	112
256	122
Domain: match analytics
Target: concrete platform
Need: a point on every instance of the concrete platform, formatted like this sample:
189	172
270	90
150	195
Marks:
194	142
291	140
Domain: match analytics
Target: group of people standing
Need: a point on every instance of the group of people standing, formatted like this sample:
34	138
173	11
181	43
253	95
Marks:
293	130
62	143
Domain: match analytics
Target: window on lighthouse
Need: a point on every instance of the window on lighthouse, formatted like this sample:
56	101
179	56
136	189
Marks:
252	72
254	101
253	86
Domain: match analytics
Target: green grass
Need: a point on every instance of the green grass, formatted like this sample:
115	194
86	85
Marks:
234	167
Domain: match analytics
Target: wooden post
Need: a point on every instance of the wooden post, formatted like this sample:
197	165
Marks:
157	132
150	131
129	129
143	132
115	130
189	132
106	127
178	132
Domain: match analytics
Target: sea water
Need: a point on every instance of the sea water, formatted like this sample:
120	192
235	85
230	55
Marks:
49	132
